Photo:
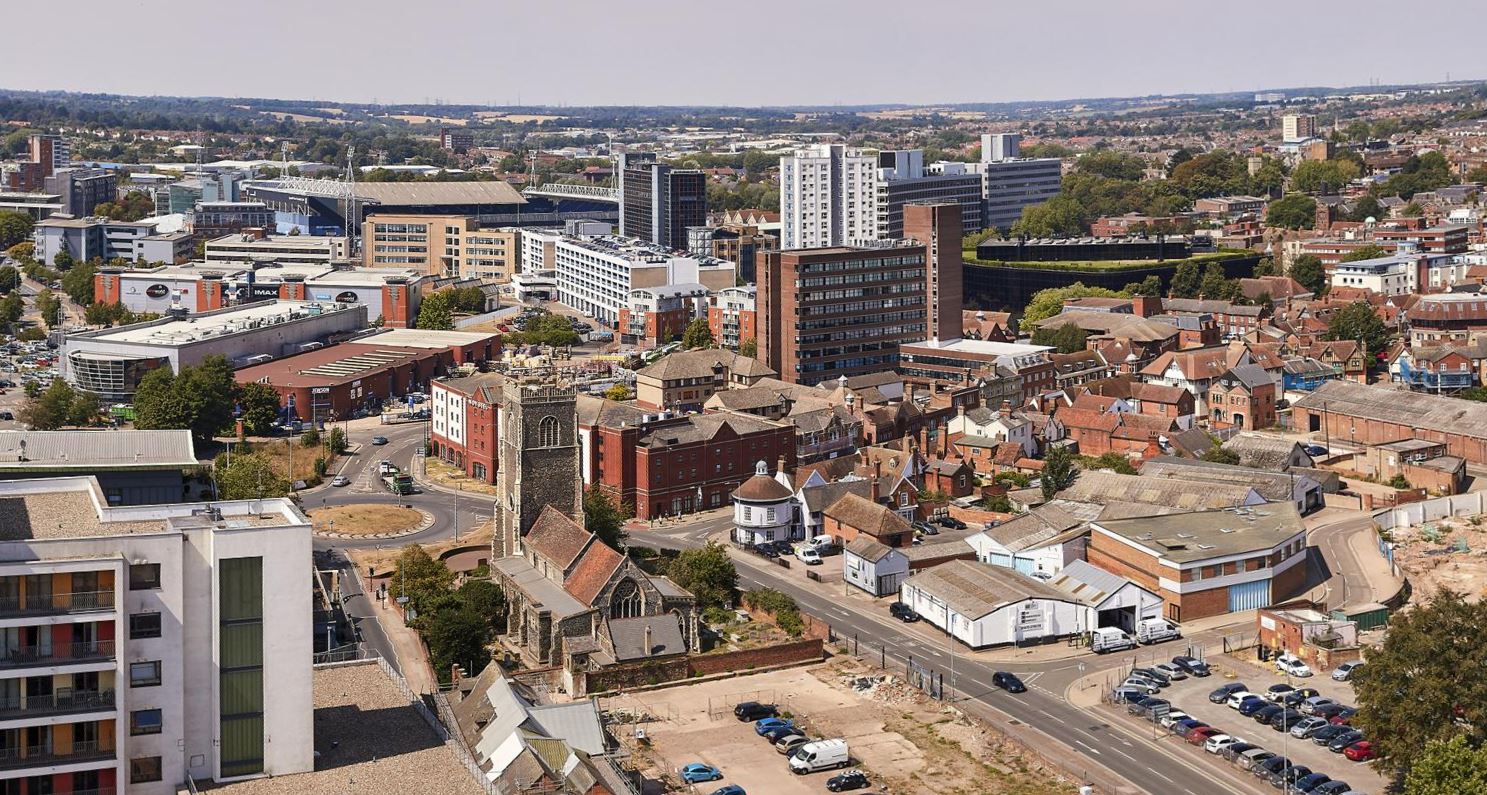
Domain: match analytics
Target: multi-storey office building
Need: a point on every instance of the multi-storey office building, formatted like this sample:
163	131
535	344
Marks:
82	189
902	181
829	312
658	203
596	275
257	247
135	649
828	197
440	245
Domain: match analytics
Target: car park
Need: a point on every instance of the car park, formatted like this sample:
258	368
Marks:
1345	671
1009	682
1192	665
697	772
1360	751
903	612
1341	742
850	780
1304	727
1221	694
1172	672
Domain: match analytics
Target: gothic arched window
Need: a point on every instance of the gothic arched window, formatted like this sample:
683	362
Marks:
627	601
547	432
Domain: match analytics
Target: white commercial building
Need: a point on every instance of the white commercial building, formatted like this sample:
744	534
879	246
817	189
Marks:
595	274
251	248
982	605
828	197
146	644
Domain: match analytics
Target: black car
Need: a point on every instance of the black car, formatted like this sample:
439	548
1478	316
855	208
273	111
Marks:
1222	694
950	522
1192	665
1287	776
1295	697
1325	734
1277	692
1274	763
1264	715
1283	721
753	710
1161	679
767	550
774	735
1008	682
1233	750
852	779
1148	706
1330	711
1341	742
903	612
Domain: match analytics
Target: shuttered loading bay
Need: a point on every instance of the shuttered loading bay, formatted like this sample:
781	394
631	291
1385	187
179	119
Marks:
240	584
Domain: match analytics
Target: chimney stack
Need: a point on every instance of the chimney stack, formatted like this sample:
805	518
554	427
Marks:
1006	408
877	474
648	651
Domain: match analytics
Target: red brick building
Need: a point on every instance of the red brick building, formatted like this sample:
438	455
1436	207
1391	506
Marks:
466	415
654	316
664	465
732	317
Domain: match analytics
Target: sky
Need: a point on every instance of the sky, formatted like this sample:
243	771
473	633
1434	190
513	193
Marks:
705	52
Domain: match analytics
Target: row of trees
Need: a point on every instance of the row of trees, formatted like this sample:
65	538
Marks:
458	624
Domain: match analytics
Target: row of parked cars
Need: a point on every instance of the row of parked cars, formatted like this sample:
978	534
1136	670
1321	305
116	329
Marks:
803	754
1302	712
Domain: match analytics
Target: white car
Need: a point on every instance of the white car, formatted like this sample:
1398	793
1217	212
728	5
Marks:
1141	685
1235	699
1343	672
1171	671
1218	742
1292	665
1172	717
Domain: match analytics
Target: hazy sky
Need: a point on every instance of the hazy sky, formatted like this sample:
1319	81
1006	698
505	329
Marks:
697	52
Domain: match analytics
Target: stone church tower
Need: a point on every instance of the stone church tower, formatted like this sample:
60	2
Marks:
537	459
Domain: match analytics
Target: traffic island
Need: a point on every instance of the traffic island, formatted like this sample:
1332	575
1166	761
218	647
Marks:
368	520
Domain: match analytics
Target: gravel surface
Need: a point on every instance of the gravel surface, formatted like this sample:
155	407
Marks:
63	514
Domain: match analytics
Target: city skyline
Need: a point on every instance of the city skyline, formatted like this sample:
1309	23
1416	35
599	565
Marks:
793	56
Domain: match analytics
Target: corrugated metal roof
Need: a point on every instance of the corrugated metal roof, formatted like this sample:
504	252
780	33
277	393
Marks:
1087	583
103	448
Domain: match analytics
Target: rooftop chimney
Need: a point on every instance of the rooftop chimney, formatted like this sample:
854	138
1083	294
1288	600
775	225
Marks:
1006	408
877	473
648	651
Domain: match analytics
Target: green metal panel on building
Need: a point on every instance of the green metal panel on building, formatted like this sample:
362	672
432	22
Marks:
1367	616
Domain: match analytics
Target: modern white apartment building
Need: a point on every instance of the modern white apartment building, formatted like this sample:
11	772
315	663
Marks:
1297	127
145	644
595	274
251	248
828	197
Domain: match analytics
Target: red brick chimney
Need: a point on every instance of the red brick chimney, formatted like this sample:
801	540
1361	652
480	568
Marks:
877	474
1006	408
1153	448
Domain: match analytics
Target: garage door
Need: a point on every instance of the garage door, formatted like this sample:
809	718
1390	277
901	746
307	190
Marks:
998	559
1025	565
1249	596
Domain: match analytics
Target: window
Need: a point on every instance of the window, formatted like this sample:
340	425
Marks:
144	625
240	654
144	674
143	769
144	576
547	432
144	721
627	601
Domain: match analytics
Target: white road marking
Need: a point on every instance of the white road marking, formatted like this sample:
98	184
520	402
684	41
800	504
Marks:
1090	748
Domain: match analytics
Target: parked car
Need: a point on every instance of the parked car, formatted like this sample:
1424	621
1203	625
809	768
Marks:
1333	787
776	734
1141	685
1291	665
852	779
1274	763
1187	726
1128	695
1360	751
1172	672
697	772
1310	705
1249	707
1341	742
1153	674
951	522
770	724
808	555
1342	672
1192	665
729	789
903	612
1277	692
1286	776
1008	682
1286	719
1147	706
1304	727
1221	694
1238	697
1295	697
1309	783
1264	714
790	742
1216	744
927	528
1330	711
1325	734
1172	717
1200	735
1248	760
1344	716
753	710
1232	751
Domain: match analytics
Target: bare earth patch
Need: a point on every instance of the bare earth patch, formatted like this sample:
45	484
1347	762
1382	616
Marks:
1434	560
364	520
442	474
383	559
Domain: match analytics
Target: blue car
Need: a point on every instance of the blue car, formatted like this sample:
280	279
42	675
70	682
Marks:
697	771
763	727
1251	705
730	789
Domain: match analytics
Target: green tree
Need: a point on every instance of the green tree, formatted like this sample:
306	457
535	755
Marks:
603	518
77	282
15	228
310	438
1367	207
59	405
1412	210
486	599
1061	216
1448	767
23	253
1219	455
1186	280
1050	301
434	312
1067	337
749	348
49	308
1309	272
1424	683
200	398
1150	286
31	334
1358	321
1315	176
63	260
258	406
457	636
1265	267
337	441
1215	285
1370	251
12	308
419	577
1058	471
10	278
546	329
617	392
1113	461
1114	165
1294	211
697	334
250	476
707	572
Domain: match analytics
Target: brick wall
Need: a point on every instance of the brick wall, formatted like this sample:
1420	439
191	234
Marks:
1288	583
1113	556
1202	604
800	651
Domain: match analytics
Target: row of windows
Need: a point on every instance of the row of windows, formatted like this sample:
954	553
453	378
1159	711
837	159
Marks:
859	308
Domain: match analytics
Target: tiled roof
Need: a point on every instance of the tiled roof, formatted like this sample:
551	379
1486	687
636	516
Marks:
868	549
867	516
556	537
593	572
762	488
975	590
628	637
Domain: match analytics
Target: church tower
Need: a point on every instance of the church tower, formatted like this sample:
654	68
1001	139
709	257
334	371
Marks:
538	459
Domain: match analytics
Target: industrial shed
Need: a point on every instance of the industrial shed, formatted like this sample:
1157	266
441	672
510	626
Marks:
983	605
1117	601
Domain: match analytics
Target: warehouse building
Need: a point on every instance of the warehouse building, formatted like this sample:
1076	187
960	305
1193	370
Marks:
982	605
1116	601
1369	415
110	362
1207	563
132	467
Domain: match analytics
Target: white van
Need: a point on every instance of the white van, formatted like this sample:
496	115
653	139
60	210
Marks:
808	555
819	755
1156	630
1107	639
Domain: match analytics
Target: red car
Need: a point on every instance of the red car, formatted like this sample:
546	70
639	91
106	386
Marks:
1201	734
1361	751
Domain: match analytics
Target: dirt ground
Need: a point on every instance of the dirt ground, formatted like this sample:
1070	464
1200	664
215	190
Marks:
291	460
904	741
369	519
449	477
1430	556
382	559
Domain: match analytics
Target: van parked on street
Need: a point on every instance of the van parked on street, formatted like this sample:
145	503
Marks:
819	755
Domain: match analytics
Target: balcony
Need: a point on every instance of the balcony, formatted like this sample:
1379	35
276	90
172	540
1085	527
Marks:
52	604
65	702
56	654
46	755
